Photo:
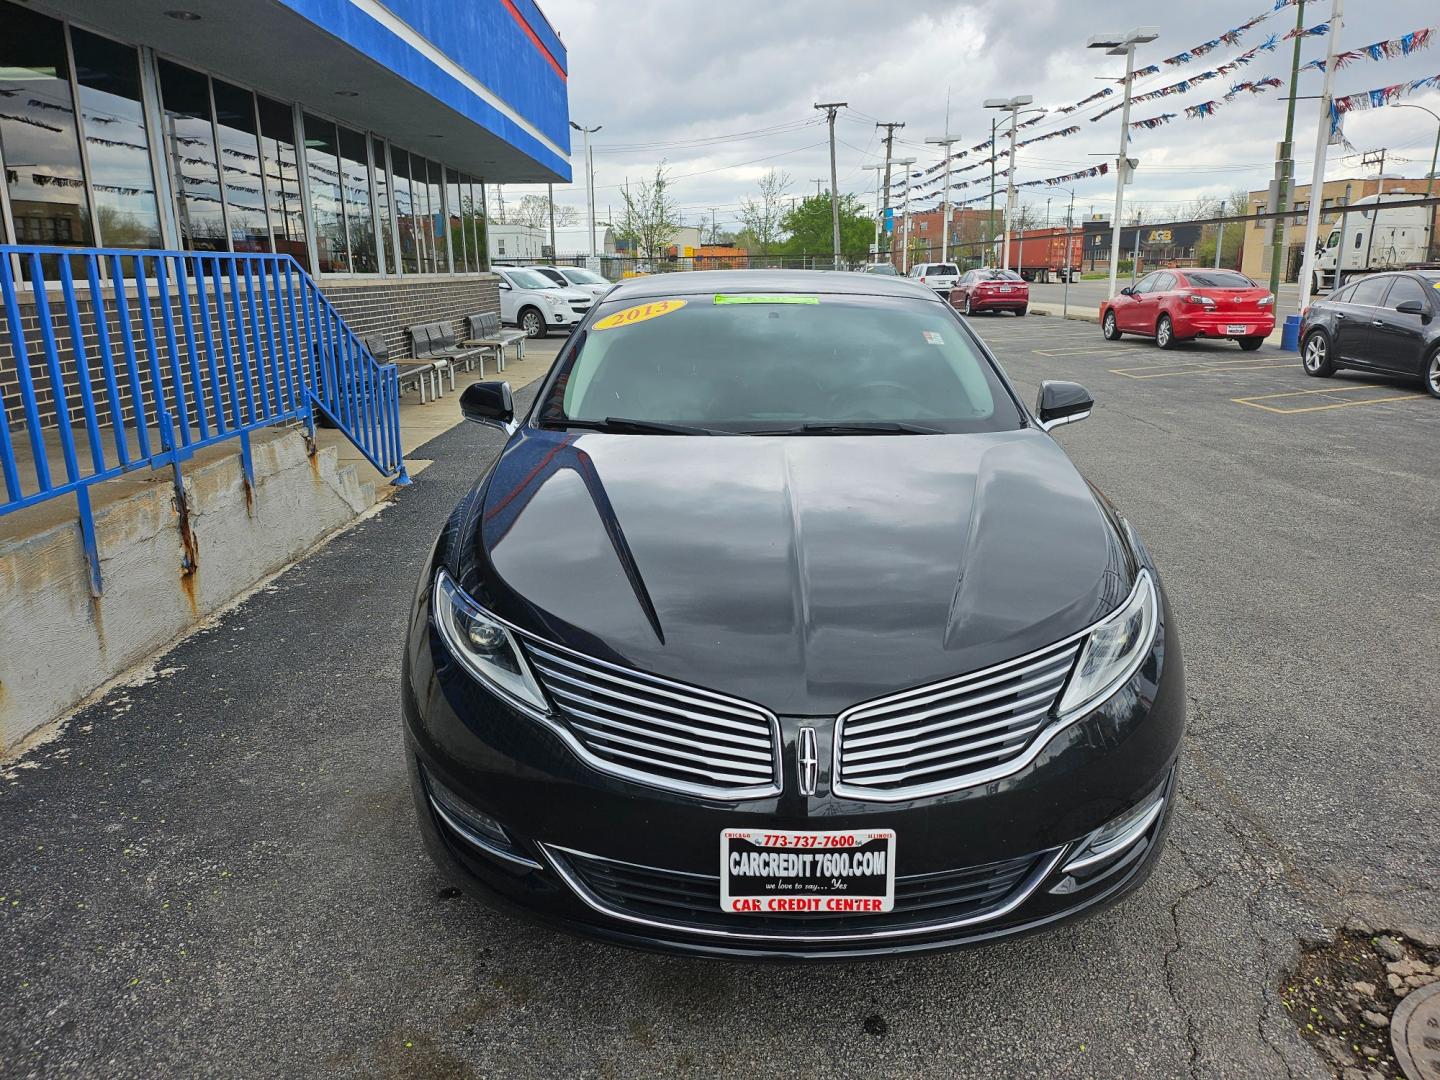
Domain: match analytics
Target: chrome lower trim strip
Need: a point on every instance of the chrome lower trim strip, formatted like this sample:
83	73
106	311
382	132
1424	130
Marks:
477	840
1022	893
1128	838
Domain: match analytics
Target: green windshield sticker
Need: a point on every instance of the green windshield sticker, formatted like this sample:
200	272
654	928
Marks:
719	299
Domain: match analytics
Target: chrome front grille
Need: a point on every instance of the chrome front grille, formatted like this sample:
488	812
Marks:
924	903
658	732
951	734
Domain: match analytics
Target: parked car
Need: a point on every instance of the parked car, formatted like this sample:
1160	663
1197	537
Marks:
988	289
1180	305
676	678
531	301
576	277
1385	323
939	276
884	268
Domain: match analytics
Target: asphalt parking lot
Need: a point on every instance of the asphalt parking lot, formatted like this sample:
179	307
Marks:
216	872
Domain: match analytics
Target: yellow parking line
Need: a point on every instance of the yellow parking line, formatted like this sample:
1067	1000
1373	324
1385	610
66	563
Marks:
1224	367
1254	402
1085	350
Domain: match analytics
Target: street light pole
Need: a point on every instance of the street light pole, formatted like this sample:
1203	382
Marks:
1122	45
1012	106
1285	169
1317	173
589	177
1220	235
877	169
905	164
945	143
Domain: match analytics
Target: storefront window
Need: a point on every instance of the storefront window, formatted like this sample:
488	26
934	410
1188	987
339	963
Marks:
282	179
477	222
113	120
441	262
240	167
355	178
459	249
190	146
406	216
327	210
382	204
37	132
424	223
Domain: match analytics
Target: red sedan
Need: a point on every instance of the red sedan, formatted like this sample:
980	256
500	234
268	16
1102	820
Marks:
990	290
1179	305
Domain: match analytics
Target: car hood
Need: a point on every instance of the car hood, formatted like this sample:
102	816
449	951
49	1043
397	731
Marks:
802	573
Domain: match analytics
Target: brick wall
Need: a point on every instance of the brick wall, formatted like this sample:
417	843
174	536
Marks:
369	306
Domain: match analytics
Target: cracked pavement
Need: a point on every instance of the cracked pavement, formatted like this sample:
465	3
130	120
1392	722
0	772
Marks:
216	872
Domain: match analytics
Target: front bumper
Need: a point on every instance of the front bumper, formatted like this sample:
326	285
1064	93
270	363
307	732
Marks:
601	856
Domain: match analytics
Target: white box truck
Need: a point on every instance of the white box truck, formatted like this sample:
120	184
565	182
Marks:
1384	239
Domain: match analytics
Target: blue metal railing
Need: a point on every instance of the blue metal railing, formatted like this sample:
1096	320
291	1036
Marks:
158	354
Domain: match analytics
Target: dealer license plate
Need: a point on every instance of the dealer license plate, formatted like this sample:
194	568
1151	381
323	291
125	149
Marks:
1236	328
1004	288
836	873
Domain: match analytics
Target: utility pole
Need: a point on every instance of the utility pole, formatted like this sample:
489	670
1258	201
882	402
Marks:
550	201
1285	167
1122	45
831	109
889	127
1069	227
1135	255
945	143
1220	235
1322	140
589	177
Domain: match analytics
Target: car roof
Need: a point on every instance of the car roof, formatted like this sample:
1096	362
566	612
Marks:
691	282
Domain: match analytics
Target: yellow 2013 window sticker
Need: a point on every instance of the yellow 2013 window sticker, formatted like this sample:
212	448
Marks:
639	313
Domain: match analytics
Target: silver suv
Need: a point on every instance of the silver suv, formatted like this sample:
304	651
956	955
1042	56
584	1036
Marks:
939	276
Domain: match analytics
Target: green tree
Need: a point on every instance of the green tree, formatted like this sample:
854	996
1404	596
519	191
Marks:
808	228
650	217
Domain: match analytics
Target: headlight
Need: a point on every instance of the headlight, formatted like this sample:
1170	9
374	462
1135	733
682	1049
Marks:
484	646
555	302
1114	651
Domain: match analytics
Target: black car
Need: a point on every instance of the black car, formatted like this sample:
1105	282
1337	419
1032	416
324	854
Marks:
781	627
1383	322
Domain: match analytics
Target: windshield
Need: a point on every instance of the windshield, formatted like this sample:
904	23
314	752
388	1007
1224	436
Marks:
1334	240
944	268
1219	279
882	268
530	279
585	277
773	364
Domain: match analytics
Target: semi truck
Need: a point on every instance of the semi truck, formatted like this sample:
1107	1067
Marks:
1037	251
1368	240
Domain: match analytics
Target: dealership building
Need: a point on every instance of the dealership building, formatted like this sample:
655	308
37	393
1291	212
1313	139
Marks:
357	136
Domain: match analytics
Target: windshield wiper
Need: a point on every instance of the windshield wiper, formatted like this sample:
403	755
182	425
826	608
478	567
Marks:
636	427
866	427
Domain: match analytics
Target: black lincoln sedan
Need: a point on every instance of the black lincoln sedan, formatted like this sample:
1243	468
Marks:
782	627
1384	323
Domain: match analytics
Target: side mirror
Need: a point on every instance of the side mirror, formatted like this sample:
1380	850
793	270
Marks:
489	403
1061	403
1412	307
505	285
1128	290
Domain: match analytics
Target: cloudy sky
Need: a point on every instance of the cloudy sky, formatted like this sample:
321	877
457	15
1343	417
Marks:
724	92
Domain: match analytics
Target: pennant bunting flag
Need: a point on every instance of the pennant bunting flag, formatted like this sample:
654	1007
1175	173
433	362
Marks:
1152	122
1379	98
1258	86
1404	45
1310	31
1230	37
1204	109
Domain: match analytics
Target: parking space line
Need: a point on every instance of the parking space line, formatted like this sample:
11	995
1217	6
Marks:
1211	367
1081	351
1254	402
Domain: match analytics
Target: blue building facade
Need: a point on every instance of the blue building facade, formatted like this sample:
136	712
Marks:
357	136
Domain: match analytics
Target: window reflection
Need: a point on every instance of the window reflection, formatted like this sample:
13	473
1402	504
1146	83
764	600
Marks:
355	178
327	210
435	230
240	167
382	204
190	146
116	142
405	213
459	246
37	132
477	223
282	179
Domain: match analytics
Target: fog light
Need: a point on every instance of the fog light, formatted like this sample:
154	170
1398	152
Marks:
471	824
1108	847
